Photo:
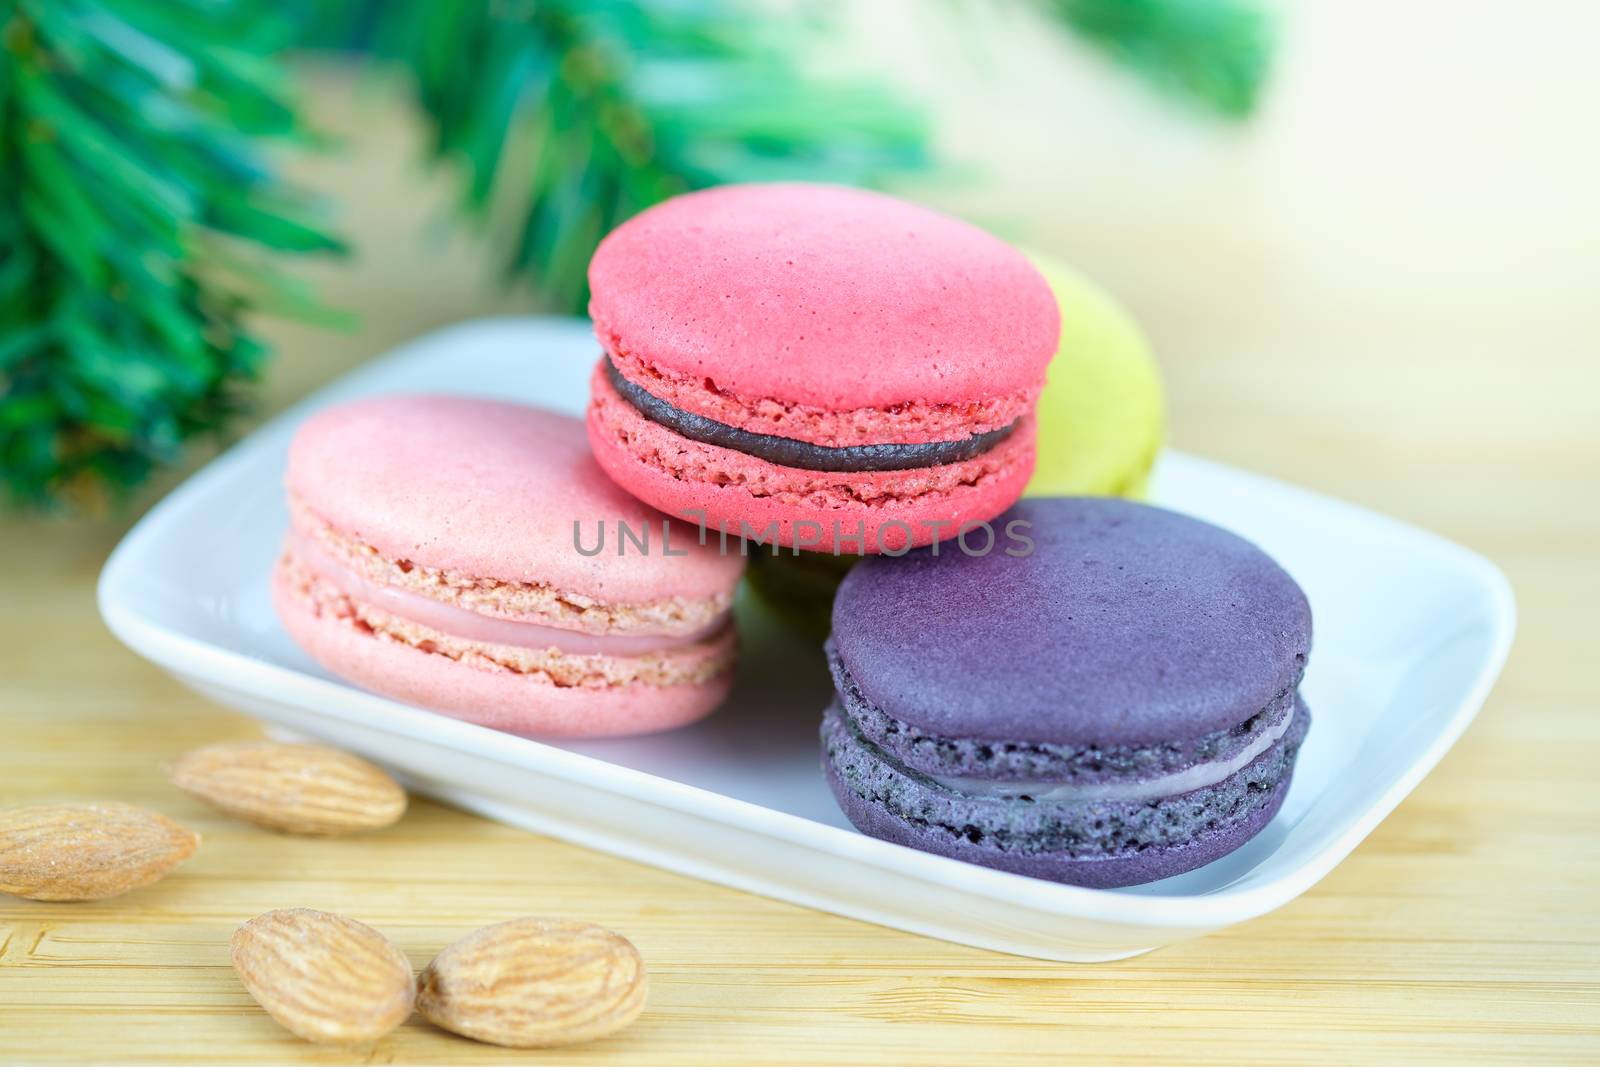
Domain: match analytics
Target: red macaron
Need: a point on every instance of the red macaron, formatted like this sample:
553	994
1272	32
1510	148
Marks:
816	366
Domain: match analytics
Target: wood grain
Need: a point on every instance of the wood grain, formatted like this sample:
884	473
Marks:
1384	292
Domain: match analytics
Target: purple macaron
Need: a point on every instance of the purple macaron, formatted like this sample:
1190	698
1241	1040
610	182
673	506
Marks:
1107	696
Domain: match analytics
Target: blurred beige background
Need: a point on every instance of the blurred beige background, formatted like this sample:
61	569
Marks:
1386	287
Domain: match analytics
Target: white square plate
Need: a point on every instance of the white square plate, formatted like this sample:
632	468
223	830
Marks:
1410	633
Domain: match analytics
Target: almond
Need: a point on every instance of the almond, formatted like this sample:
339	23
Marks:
532	983
87	851
324	977
299	789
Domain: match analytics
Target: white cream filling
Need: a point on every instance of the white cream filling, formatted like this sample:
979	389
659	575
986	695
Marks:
1190	778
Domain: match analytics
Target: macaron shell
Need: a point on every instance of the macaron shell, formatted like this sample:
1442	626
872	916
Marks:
822	295
1101	415
488	490
1126	625
516	703
1109	872
683	478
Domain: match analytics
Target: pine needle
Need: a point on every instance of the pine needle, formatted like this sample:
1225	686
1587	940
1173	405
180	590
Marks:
129	135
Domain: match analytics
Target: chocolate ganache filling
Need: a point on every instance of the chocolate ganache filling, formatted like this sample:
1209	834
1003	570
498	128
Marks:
788	452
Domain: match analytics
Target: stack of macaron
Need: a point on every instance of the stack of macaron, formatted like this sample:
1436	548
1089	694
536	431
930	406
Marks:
1088	690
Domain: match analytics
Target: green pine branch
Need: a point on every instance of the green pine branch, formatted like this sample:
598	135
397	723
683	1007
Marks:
1213	52
572	115
136	220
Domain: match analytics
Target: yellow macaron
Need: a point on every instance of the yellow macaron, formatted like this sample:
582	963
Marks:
1101	415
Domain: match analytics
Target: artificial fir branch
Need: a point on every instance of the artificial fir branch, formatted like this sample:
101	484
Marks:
1214	52
136	215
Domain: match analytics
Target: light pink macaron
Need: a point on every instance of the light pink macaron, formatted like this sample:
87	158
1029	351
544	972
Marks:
469	556
831	368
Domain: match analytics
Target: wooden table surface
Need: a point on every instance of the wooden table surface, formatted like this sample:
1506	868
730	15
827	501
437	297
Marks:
1356	295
